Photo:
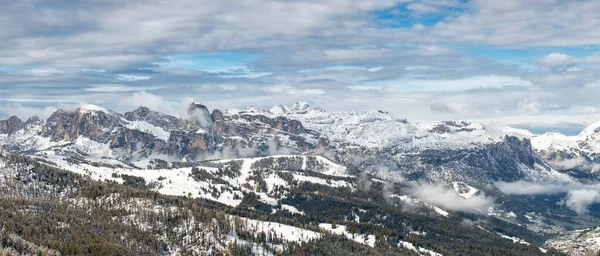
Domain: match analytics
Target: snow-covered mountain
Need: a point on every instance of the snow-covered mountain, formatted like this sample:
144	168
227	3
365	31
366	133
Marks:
226	156
579	152
372	141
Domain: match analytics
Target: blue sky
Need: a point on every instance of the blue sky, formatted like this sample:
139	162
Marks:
524	63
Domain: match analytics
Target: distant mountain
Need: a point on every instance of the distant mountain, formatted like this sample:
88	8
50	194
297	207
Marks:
373	141
366	165
568	153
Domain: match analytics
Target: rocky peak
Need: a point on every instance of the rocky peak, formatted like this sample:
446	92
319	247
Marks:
522	149
93	109
217	116
589	138
301	107
11	125
33	120
220	127
279	110
199	117
451	127
90	121
164	121
195	106
138	114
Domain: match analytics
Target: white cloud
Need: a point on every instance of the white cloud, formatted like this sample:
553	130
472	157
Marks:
25	113
579	196
430	72
108	88
528	188
131	78
554	59
151	101
227	87
579	200
466	83
306	91
41	72
421	8
447	198
293	91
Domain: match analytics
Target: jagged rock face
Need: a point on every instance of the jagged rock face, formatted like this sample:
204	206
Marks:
34	120
167	122
133	141
220	126
199	117
520	149
451	126
67	126
59	125
279	123
445	151
480	165
11	125
196	135
189	144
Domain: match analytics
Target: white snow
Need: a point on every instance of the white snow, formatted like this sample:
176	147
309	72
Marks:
176	182
341	230
376	129
86	108
440	211
316	180
146	127
416	201
291	209
420	250
466	194
286	232
92	148
514	239
552	141
589	138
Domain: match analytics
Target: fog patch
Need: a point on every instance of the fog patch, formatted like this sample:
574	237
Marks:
25	113
274	149
149	100
383	172
446	198
579	196
575	163
364	182
529	188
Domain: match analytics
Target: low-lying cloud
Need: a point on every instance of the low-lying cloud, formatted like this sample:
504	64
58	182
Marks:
575	163
579	200
447	198
578	196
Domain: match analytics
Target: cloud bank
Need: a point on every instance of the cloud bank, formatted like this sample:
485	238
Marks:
447	198
578	196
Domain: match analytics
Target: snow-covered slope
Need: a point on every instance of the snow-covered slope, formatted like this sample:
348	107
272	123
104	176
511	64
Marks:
377	129
581	151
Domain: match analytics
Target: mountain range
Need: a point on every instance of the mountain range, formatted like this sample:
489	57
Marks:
452	168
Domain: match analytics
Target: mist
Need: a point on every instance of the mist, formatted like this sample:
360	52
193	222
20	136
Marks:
578	197
446	198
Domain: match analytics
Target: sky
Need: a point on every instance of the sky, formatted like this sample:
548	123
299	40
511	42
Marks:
531	64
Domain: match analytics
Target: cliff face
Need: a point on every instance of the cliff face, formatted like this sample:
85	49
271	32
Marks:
369	141
144	132
95	125
11	125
